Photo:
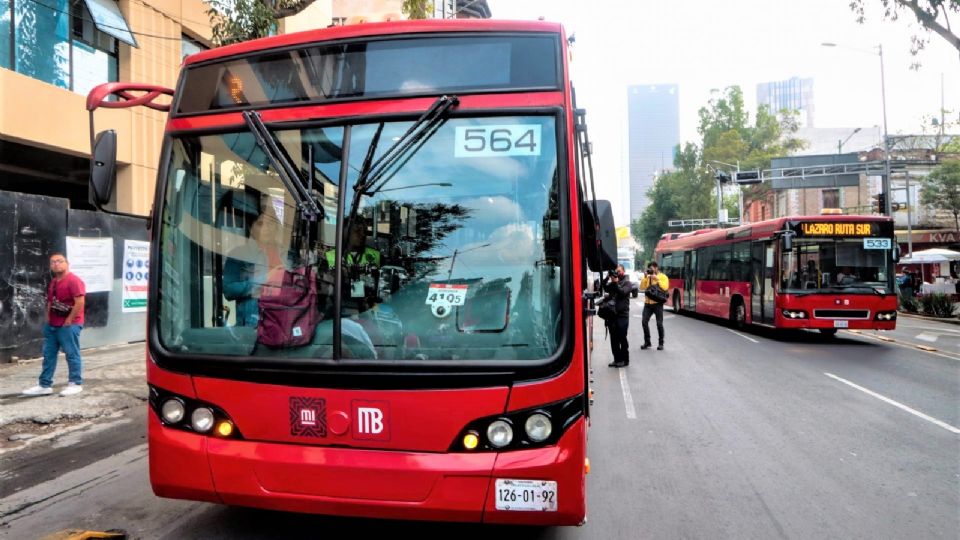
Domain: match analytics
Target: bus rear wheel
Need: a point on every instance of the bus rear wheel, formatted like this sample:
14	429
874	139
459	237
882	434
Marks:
676	302
738	314
829	332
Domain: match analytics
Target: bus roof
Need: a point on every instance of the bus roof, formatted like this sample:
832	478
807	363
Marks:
373	29
750	231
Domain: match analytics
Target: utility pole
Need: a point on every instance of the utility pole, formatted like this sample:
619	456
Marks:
886	137
909	219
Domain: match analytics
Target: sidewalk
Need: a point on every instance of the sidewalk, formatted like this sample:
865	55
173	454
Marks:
114	379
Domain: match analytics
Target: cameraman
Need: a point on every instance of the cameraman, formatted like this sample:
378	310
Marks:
617	286
653	278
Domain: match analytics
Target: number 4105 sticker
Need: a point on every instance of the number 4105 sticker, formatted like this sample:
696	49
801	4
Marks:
499	140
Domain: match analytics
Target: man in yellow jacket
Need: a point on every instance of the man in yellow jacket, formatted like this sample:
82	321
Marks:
653	278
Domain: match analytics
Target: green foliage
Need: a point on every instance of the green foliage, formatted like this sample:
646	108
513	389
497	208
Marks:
941	189
417	9
909	303
937	304
234	21
932	15
689	191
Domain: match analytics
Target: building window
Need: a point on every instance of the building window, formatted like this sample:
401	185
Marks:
60	42
95	54
6	33
830	198
189	46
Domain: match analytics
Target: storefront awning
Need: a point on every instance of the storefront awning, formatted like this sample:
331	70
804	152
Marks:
108	19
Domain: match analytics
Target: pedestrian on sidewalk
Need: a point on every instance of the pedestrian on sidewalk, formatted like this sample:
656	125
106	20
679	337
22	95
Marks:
65	300
653	278
617	286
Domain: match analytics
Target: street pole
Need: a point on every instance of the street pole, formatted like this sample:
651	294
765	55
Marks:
886	138
719	201
743	214
909	219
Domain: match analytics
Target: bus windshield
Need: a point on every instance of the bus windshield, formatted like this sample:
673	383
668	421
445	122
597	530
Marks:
452	254
832	265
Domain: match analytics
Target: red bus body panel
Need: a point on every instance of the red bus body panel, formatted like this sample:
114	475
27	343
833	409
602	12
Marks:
410	474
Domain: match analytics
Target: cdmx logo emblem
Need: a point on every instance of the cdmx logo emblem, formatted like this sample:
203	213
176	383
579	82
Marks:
308	417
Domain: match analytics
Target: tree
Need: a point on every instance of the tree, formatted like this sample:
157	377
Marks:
933	15
233	21
941	189
417	9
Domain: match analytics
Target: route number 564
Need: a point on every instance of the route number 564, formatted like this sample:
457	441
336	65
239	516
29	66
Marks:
502	140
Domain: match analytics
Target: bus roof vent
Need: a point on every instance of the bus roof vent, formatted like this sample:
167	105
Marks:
831	212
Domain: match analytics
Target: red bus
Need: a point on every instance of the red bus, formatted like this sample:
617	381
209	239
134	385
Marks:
369	257
824	272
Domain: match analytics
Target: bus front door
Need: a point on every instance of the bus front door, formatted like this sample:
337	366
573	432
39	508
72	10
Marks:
761	285
689	280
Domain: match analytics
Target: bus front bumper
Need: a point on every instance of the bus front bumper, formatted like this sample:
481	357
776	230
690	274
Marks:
364	483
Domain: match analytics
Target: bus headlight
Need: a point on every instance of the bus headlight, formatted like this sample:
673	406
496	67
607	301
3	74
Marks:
500	433
886	316
538	427
201	419
794	314
173	411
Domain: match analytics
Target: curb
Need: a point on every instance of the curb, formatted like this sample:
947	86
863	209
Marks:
927	318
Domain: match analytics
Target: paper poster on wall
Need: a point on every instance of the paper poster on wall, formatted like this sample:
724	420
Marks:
136	264
92	260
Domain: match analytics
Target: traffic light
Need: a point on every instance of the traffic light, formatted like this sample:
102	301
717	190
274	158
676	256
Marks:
879	203
722	177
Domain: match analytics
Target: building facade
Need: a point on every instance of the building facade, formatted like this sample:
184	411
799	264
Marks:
653	133
793	94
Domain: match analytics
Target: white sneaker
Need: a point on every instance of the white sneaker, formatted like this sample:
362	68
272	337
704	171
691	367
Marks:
36	391
71	389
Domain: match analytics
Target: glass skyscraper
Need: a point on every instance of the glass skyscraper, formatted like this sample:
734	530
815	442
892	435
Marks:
653	124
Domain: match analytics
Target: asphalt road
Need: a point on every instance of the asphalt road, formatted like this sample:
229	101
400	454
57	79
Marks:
723	435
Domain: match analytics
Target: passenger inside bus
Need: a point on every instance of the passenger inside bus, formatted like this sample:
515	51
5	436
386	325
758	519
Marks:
247	267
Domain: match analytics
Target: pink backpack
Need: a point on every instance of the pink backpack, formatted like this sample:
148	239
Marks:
288	309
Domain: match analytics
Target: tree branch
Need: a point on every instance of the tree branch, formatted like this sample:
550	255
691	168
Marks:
930	22
283	9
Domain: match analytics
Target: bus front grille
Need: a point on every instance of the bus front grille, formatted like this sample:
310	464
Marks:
841	313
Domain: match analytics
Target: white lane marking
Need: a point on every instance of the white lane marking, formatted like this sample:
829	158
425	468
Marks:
743	336
914	412
904	344
927	337
627	398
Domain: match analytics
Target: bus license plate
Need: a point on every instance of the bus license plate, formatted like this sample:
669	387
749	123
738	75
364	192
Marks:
841	324
527	495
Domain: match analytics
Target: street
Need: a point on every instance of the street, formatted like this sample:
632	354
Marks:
725	434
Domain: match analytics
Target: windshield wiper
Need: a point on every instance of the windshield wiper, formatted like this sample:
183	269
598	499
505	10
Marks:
372	175
372	172
281	162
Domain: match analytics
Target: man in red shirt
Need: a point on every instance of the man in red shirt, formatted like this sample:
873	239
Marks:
64	322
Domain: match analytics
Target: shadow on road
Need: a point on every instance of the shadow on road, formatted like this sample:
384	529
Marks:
241	523
783	335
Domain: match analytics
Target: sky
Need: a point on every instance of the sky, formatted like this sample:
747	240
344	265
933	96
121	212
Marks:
706	45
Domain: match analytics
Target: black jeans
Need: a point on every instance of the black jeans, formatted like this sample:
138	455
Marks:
648	310
618	339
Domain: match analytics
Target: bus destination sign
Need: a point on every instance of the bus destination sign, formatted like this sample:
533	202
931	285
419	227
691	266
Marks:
843	228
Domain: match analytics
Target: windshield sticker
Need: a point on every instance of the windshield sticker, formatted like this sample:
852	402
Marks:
497	141
442	298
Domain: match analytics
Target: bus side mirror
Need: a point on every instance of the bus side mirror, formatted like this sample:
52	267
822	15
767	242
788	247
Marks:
787	242
895	252
600	236
103	168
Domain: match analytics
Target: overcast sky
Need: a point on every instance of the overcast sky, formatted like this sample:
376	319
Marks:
705	44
